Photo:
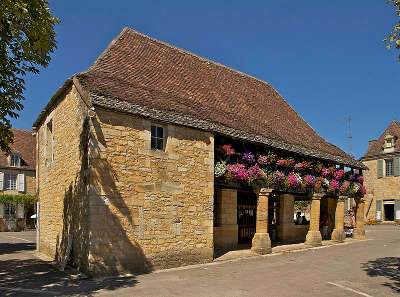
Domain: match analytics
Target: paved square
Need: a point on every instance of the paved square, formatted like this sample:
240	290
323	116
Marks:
364	268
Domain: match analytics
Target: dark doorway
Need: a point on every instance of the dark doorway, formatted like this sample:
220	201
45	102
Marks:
389	212
246	212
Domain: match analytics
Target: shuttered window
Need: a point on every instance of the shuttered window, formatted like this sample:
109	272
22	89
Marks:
10	181
396	166
389	167
380	168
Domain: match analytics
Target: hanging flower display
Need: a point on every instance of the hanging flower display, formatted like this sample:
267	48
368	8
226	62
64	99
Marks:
339	174
248	157
268	159
309	180
360	179
319	167
238	171
227	148
293	175
344	188
254	173
325	172
219	169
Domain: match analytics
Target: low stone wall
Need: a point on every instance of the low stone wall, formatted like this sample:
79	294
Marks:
226	237
12	225
292	233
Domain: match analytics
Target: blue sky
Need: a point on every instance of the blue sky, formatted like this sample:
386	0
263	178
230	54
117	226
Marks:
326	58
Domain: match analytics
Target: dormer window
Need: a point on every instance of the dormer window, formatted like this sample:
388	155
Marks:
389	144
15	160
389	141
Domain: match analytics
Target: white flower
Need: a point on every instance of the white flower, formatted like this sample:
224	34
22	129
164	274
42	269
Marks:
219	169
326	182
298	177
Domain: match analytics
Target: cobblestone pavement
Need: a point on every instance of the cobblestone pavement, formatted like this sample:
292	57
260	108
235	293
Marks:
359	268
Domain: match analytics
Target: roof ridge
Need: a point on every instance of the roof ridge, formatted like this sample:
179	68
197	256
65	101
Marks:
178	49
108	48
25	130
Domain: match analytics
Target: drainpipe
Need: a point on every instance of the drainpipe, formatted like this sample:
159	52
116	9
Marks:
36	134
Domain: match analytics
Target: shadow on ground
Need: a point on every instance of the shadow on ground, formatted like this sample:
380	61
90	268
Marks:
9	248
23	275
388	267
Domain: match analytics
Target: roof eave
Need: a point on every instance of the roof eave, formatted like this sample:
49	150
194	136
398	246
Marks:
123	106
52	103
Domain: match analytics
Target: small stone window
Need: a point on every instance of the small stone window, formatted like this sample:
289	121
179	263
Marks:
157	138
389	167
49	142
15	160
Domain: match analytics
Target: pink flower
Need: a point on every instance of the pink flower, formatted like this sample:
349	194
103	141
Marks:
309	180
339	174
238	171
360	179
335	184
325	172
281	162
292	180
363	190
254	172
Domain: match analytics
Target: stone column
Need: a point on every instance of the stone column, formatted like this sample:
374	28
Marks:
261	243
338	233
359	231
314	237
286	233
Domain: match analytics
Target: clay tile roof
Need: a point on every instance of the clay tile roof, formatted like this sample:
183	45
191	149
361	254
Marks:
24	146
376	147
154	79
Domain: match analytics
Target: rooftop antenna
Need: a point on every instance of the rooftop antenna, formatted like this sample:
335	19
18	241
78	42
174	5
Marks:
349	136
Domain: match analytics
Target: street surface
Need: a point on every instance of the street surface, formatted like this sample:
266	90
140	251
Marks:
360	268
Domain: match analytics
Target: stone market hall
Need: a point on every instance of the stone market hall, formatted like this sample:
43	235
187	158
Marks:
155	157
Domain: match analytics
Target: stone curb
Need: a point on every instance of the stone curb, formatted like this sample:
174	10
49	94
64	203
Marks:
255	256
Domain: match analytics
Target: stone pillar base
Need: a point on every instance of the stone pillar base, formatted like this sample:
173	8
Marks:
359	233
314	238
261	244
338	235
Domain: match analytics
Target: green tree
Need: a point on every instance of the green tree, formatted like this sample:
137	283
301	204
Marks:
394	37
27	39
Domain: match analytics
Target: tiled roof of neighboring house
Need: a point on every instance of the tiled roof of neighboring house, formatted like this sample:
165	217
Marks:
144	76
376	146
24	146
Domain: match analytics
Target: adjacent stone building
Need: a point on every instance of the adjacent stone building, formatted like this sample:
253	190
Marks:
155	157
383	178
17	178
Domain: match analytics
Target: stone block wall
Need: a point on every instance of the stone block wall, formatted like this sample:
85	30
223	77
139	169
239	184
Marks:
378	188
62	195
148	209
226	230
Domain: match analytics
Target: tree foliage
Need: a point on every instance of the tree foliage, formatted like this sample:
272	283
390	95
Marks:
27	39
394	37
